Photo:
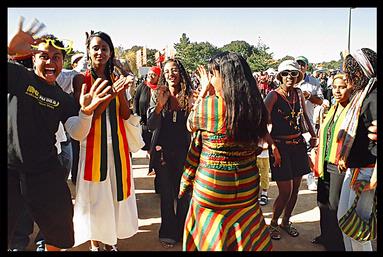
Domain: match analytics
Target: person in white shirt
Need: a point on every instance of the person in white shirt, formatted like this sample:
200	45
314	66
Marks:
313	95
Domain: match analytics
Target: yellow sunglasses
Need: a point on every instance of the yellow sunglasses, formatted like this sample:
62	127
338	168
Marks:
67	45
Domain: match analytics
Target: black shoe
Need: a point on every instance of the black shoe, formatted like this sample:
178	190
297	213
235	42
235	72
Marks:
318	240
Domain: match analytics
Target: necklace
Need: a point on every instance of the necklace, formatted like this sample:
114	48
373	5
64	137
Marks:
293	100
293	117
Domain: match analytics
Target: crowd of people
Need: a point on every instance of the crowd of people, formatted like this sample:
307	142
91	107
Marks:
212	137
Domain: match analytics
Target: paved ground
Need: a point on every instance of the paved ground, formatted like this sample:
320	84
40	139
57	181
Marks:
305	217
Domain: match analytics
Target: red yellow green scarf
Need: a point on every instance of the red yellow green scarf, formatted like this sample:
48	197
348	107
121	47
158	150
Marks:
334	146
96	161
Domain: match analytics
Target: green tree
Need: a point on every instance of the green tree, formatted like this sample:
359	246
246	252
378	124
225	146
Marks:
332	65
260	59
150	57
119	52
239	46
193	54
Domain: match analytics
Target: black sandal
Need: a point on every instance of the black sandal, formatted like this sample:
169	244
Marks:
290	229
167	243
274	232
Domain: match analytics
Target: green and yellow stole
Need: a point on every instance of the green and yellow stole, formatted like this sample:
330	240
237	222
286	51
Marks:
96	162
334	146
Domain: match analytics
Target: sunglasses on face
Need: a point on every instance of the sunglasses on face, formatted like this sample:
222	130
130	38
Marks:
66	44
293	73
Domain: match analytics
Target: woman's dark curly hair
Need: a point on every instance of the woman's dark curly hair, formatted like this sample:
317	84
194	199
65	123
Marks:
185	81
246	113
355	73
110	65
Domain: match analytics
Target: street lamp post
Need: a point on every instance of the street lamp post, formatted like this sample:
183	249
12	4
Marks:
349	29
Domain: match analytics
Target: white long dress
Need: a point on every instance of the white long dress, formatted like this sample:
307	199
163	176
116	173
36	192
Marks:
97	213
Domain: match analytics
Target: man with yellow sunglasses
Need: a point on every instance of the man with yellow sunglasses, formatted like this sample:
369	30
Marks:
36	105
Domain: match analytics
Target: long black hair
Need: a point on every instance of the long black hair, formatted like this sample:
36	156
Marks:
185	81
109	65
246	114
355	73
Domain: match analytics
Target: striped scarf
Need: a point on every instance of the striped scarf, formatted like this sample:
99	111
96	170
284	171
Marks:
96	162
347	131
333	145
209	116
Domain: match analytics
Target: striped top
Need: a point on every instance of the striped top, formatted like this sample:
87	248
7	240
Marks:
223	174
96	147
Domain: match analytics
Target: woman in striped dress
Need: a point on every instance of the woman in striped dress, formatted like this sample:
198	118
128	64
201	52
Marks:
228	120
105	207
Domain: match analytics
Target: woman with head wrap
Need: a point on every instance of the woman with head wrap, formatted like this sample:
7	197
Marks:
356	153
330	180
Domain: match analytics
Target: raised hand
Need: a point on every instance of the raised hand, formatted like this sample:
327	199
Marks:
21	42
96	95
373	131
163	95
123	83
204	80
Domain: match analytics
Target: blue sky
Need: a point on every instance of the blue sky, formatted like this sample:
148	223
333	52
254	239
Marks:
317	33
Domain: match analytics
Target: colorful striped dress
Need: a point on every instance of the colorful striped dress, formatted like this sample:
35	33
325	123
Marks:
224	214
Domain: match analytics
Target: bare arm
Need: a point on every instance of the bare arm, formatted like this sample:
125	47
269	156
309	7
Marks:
311	130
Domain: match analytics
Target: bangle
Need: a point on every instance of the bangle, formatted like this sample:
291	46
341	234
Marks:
309	96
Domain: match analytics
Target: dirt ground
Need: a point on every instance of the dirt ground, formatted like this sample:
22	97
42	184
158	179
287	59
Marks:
305	217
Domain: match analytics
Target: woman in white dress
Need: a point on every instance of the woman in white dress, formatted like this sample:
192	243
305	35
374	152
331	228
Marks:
105	206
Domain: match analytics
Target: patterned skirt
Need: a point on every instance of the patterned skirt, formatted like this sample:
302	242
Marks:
241	229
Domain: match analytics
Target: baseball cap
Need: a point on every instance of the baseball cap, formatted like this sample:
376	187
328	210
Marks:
76	57
303	59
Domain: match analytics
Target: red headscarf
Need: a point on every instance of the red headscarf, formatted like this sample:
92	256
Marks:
156	70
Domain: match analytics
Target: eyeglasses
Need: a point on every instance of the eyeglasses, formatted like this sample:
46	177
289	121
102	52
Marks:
66	44
293	73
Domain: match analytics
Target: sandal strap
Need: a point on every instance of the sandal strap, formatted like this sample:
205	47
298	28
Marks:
290	229
273	228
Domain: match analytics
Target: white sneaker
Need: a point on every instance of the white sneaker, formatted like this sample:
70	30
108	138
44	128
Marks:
311	184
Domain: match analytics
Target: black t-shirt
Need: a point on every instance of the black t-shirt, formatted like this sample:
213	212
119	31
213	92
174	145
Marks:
174	136
284	123
363	150
34	112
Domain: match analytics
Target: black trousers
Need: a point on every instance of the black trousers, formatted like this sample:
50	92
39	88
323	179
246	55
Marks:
169	166
328	194
47	199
